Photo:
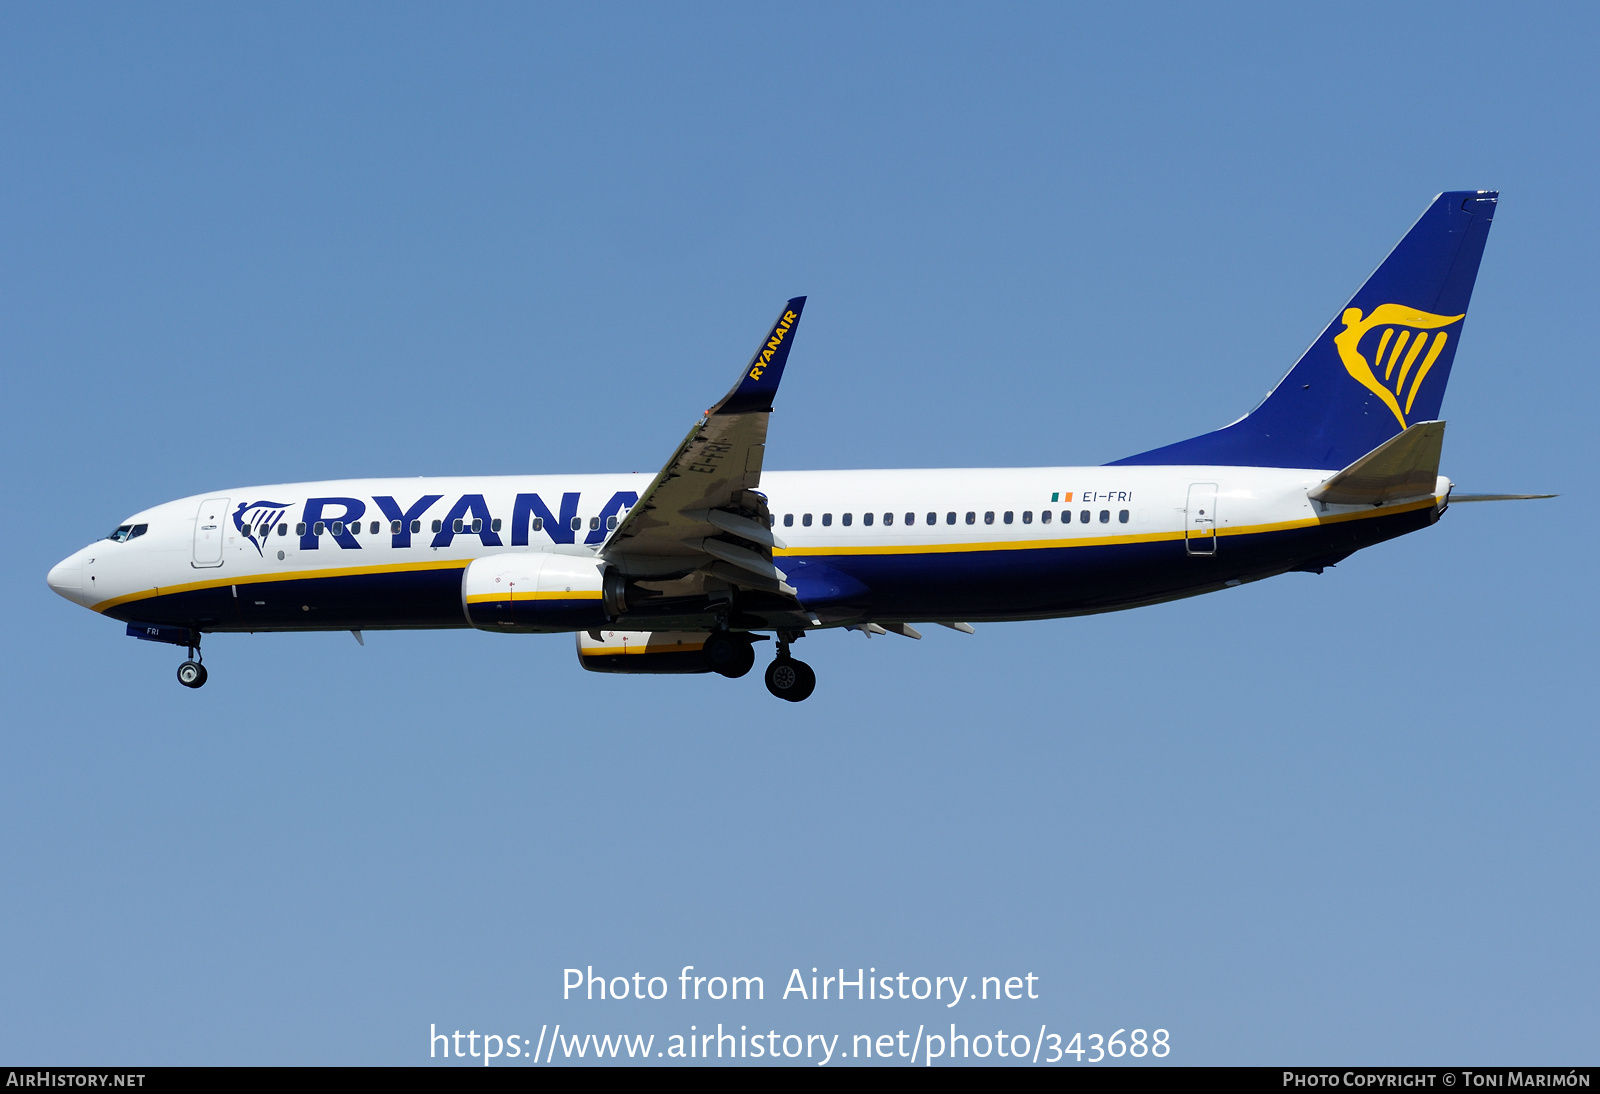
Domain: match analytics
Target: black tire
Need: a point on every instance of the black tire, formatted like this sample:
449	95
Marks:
192	674
791	680
729	655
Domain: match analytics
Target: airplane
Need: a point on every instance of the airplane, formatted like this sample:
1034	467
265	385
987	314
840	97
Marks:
680	572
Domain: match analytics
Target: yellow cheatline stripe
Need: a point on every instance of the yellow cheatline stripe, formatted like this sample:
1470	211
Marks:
1103	541
297	575
482	598
961	548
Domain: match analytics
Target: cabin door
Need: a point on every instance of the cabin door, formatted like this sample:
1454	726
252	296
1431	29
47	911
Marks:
209	525
1200	519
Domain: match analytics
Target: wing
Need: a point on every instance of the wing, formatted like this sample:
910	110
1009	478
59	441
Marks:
703	513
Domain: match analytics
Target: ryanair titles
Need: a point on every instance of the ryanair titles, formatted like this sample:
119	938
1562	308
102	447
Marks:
346	521
779	332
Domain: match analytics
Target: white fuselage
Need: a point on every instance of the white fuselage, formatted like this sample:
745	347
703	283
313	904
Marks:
924	544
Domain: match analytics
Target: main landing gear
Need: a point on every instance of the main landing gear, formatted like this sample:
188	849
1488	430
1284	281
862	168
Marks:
732	655
728	655
192	674
787	678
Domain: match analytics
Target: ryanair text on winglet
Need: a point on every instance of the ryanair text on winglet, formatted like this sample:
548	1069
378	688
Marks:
773	343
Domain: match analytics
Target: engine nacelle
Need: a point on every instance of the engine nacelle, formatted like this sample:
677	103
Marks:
534	591
643	651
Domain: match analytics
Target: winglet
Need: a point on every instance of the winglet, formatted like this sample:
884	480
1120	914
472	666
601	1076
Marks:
759	382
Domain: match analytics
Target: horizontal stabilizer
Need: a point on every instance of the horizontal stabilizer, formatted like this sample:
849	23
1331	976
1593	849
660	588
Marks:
1404	466
1497	497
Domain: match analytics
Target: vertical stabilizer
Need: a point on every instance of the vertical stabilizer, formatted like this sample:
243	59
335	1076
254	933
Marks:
1379	367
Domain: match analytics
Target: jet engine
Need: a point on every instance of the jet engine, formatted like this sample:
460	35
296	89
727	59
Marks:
643	651
537	591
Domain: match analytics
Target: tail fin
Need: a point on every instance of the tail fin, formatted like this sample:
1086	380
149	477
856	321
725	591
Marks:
1380	366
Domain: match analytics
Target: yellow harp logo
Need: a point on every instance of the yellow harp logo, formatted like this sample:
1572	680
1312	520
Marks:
1397	351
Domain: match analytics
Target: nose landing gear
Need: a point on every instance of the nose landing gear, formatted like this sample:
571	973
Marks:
787	678
192	673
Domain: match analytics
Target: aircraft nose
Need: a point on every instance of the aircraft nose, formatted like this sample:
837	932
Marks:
66	577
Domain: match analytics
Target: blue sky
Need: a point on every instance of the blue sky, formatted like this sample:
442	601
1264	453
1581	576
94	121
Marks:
1336	818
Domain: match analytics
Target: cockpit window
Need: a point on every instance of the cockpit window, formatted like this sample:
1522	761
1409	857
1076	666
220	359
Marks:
126	532
138	530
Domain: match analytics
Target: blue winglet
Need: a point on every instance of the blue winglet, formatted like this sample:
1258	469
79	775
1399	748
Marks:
759	382
1380	366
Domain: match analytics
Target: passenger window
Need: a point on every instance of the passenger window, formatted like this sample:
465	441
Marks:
477	525
866	519
827	519
594	524
888	518
1105	516
438	525
300	529
455	526
911	518
845	520
316	529
1027	516
416	526
1083	516
394	528
372	529
788	520
1122	516
1008	516
988	518
538	524
972	518
283	529
1044	517
494	525
611	523
577	524
949	518
806	520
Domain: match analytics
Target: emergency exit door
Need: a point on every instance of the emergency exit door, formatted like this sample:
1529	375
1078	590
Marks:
1200	519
